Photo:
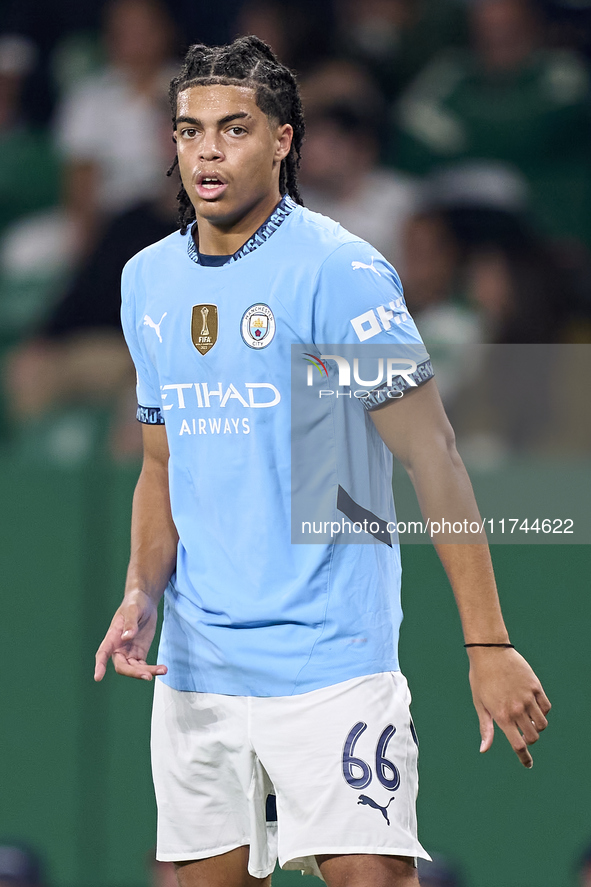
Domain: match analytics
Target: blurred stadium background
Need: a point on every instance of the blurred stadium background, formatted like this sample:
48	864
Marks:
455	136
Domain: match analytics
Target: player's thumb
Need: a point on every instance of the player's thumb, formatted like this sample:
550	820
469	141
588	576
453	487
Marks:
130	626
487	728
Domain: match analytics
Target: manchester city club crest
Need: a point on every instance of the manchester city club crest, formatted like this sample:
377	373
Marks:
258	326
204	327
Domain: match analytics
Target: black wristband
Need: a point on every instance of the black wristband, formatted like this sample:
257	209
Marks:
509	646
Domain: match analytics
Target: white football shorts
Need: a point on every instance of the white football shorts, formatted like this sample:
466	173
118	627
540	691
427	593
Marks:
332	771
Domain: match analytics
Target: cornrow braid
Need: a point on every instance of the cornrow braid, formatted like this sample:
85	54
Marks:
248	61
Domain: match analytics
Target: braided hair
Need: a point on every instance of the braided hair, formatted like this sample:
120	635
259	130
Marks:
248	61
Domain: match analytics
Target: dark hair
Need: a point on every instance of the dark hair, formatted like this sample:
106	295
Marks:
248	61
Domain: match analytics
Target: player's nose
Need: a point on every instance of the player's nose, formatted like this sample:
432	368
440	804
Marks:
209	147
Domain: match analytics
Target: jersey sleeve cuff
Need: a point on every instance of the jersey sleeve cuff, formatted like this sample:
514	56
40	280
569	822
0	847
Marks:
386	393
149	415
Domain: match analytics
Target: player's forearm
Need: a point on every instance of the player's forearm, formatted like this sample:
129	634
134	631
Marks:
153	534
470	572
445	493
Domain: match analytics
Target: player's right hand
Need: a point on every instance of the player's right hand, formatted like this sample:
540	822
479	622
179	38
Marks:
128	639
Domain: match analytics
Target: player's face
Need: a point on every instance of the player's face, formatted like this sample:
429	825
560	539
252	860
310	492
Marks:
229	153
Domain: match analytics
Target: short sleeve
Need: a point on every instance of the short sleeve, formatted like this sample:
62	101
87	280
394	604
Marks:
148	389
359	300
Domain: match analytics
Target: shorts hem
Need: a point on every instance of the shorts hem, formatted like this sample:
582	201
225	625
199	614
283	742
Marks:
194	855
260	873
295	858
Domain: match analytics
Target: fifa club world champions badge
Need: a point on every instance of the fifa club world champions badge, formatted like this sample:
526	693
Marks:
204	327
258	326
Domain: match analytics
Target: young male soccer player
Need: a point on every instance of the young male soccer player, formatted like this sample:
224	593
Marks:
278	678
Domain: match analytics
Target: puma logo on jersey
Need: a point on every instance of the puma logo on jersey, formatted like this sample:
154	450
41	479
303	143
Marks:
364	799
155	326
357	265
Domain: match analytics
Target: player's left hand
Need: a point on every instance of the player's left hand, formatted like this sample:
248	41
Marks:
506	690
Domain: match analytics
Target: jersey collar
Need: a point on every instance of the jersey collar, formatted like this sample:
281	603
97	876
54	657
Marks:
285	206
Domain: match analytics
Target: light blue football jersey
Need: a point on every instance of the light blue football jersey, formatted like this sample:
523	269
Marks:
249	611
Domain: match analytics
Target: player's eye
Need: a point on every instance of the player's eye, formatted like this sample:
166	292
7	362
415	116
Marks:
237	130
188	133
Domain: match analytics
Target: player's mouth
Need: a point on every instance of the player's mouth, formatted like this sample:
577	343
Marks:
210	186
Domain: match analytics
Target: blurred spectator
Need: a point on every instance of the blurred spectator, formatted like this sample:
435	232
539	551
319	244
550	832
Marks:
432	285
510	99
520	293
487	207
438	873
339	80
299	31
46	28
36	257
108	128
162	874
340	174
584	868
430	260
63	35
523	297
570	23
39	252
475	272
79	356
396	38
29	167
474	184
267	20
29	181
210	23
432	282
93	299
19	866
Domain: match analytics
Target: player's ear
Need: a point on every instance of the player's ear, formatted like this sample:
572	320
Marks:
284	138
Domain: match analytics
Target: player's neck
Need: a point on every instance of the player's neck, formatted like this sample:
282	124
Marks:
216	238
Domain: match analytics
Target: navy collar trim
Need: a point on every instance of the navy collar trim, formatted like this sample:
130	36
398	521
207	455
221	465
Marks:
260	236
